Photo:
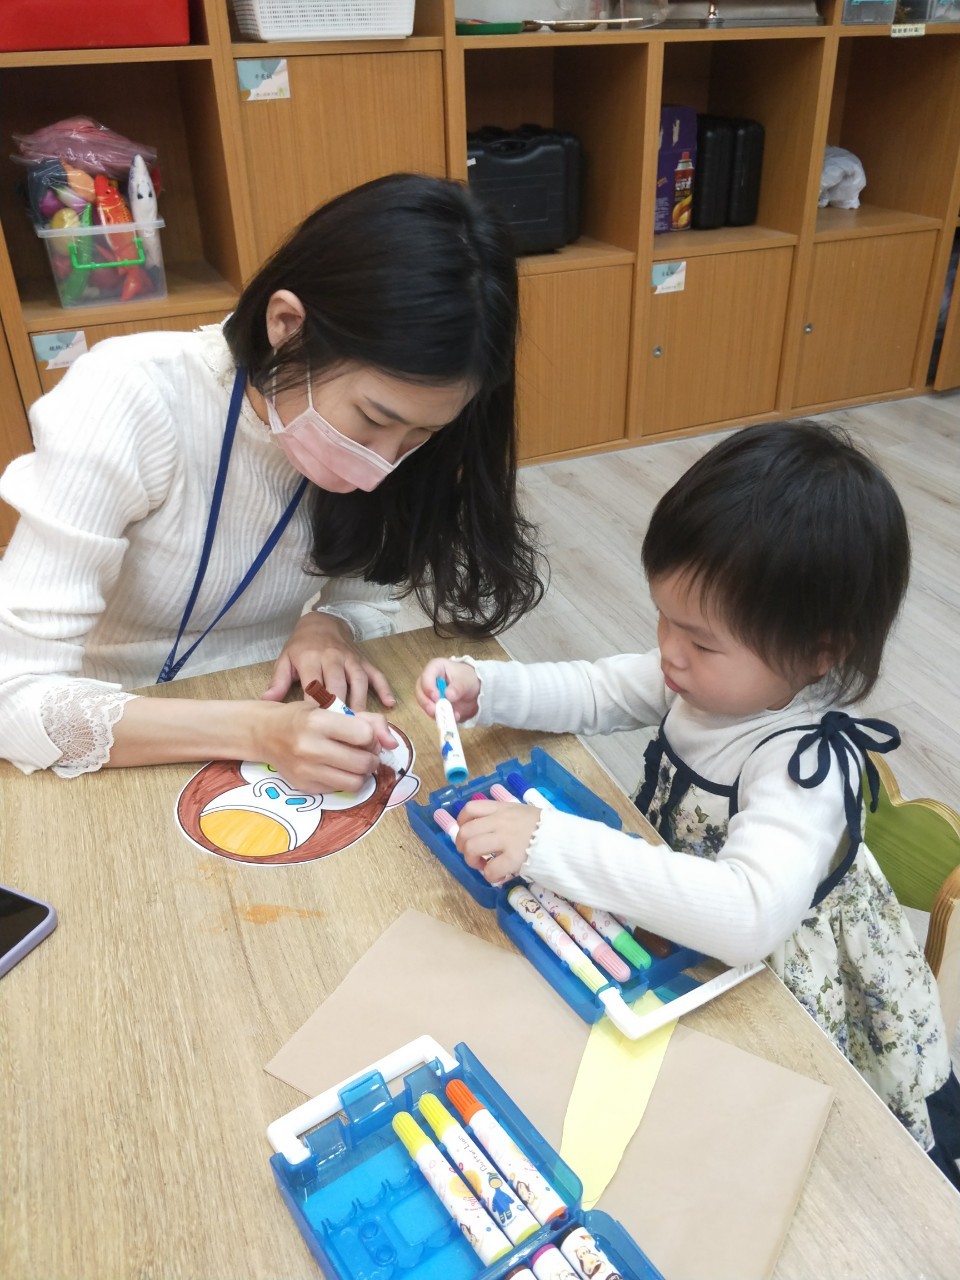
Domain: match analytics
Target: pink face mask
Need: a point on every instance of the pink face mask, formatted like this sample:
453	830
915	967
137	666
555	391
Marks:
319	451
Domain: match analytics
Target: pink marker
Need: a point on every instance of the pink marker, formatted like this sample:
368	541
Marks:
446	823
566	915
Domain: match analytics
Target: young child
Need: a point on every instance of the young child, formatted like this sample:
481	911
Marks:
777	565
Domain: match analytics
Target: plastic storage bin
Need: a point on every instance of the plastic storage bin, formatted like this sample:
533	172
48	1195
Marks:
664	974
101	265
324	19
869	12
365	1209
92	24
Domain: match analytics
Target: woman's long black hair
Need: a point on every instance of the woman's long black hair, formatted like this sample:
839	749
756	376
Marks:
414	277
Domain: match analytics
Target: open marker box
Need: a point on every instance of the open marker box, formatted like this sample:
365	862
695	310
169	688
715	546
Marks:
664	975
368	1213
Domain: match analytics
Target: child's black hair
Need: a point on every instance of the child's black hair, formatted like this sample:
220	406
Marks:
799	544
416	278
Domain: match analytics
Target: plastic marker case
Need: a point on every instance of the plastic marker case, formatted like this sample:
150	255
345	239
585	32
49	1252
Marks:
364	1208
665	976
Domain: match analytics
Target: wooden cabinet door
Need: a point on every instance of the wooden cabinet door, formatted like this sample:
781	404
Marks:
572	363
864	309
95	333
948	365
14	432
349	118
713	349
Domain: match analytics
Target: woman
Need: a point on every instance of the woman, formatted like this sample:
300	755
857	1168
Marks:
349	427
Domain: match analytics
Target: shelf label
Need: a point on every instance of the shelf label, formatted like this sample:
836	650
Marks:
669	277
58	350
263	79
908	29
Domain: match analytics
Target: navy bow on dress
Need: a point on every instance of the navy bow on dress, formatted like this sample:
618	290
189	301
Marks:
839	736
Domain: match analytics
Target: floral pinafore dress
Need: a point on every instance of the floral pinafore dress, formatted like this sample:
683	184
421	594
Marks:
853	964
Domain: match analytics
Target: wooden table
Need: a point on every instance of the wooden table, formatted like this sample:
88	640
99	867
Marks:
132	1041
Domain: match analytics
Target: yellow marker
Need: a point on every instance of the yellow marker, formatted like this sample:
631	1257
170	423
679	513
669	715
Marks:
481	1232
492	1189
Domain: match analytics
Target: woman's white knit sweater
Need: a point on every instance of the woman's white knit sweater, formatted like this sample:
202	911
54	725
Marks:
113	508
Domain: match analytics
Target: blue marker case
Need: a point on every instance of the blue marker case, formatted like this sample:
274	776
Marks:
665	976
366	1211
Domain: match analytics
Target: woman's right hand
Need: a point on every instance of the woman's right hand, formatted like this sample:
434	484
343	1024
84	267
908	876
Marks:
316	750
463	687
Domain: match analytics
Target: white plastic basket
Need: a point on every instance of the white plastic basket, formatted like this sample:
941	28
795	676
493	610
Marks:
325	19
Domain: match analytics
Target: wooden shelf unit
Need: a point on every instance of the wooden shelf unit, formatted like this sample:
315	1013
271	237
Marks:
809	307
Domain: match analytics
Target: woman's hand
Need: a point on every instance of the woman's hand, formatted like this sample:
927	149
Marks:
321	648
463	687
494	837
316	750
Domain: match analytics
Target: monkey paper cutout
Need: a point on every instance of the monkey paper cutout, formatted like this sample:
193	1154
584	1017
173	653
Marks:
247	812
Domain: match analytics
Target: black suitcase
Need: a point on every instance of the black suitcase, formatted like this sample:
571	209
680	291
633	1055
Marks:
726	189
745	170
711	182
532	175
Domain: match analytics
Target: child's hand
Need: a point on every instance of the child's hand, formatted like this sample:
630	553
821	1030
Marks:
494	837
463	687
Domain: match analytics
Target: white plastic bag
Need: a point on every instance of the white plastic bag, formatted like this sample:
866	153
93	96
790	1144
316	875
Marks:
841	180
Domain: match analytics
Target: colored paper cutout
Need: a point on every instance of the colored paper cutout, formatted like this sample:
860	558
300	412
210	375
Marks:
610	1094
248	813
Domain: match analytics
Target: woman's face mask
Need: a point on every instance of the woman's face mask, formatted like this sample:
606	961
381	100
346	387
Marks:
318	450
339	464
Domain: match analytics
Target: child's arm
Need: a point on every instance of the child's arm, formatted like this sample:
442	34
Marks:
623	692
779	847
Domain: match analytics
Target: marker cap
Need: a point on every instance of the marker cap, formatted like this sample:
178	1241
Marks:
517	784
463	1100
436	1114
409	1132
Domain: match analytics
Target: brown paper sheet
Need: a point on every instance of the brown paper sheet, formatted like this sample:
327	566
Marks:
708	1184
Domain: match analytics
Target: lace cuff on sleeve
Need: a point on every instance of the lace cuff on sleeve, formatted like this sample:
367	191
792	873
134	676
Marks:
78	717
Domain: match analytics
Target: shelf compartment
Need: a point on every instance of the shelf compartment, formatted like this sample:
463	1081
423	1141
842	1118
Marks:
776	82
596	92
669	245
199	244
896	106
869	220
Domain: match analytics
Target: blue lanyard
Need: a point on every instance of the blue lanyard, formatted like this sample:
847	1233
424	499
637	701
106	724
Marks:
173	664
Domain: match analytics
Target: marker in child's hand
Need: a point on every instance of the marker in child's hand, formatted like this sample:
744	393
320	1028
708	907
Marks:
579	926
451	748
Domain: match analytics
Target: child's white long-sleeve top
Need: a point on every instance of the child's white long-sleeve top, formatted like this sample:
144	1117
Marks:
113	509
781	843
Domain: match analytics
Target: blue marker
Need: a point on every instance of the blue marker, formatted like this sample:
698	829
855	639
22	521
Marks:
451	748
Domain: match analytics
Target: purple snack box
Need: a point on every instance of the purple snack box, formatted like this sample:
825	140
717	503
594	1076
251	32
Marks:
676	162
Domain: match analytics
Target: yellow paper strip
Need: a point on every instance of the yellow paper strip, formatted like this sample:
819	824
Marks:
610	1095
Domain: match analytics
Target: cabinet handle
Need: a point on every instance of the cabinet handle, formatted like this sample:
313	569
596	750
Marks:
657	352
808	328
